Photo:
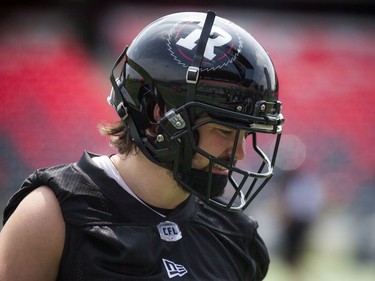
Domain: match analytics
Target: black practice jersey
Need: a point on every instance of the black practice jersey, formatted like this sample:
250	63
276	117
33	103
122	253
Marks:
110	235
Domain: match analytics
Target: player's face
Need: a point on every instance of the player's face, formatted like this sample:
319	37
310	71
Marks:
218	141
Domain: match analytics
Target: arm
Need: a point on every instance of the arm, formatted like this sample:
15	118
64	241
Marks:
32	240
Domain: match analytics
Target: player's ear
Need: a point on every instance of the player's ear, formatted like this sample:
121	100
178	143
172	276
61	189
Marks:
153	130
158	112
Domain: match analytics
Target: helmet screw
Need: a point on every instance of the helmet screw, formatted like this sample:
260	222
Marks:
263	107
239	108
160	138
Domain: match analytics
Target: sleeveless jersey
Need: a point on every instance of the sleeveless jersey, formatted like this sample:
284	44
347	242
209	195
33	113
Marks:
110	235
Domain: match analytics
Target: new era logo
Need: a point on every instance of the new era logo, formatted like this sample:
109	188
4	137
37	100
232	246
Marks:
174	269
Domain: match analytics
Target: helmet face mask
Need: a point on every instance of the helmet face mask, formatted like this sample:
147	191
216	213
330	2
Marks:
192	66
245	178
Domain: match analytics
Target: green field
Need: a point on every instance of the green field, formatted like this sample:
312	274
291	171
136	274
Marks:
321	267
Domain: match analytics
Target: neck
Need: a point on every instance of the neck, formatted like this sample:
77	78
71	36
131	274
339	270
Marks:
151	183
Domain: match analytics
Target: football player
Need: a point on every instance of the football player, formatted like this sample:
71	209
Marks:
194	93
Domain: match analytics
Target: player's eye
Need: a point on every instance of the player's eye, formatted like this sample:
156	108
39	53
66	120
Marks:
224	132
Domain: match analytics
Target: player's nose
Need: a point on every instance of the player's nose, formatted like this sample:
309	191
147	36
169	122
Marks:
240	146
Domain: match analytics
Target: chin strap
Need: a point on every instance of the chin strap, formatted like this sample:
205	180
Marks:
120	99
192	74
192	78
117	99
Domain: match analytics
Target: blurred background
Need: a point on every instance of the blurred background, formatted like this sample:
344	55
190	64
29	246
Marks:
318	213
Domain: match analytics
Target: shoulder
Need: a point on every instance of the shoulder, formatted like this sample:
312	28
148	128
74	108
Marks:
34	235
37	209
230	222
239	229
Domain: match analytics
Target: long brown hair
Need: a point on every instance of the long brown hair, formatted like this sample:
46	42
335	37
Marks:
120	137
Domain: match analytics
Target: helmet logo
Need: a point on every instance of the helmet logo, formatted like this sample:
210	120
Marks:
221	48
221	38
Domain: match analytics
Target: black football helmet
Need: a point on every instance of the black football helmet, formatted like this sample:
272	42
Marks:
198	64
